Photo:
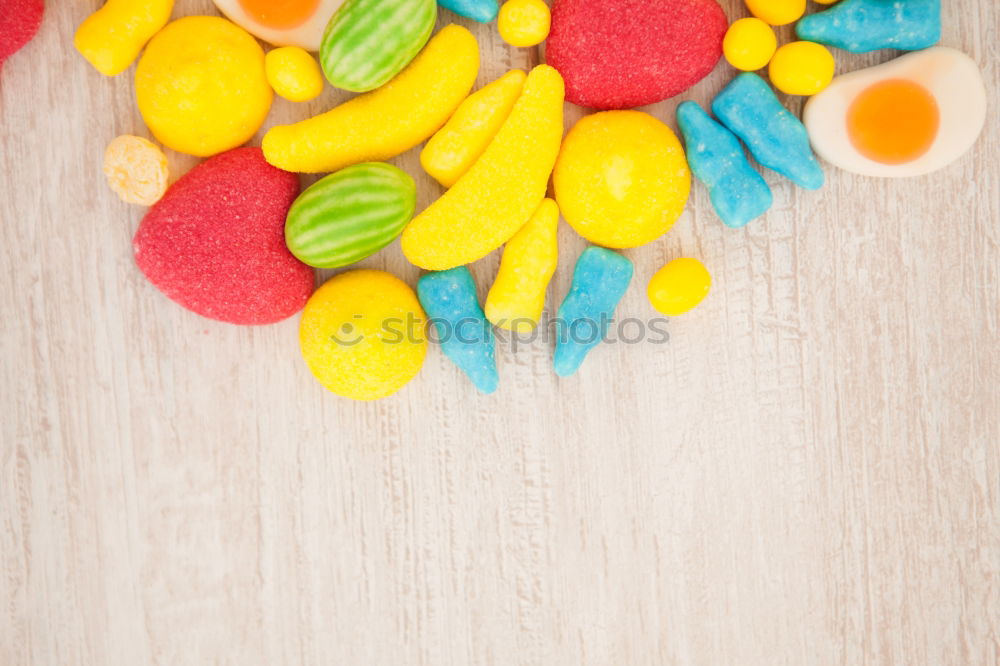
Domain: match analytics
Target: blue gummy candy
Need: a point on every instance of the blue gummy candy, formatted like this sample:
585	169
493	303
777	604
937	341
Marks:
775	137
599	282
860	26
449	298
716	158
484	11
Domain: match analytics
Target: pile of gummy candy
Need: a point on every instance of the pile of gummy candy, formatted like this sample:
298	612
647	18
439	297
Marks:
236	241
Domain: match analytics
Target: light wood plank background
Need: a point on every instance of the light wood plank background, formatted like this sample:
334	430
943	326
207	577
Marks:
808	473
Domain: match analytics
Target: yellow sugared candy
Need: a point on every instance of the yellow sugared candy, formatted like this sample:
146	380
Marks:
388	121
679	286
456	147
502	190
749	44
524	23
802	68
293	73
622	178
362	334
201	86
136	170
517	297
111	38
777	12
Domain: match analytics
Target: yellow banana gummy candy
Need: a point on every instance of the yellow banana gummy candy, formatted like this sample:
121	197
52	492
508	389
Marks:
497	196
517	297
386	122
112	37
453	150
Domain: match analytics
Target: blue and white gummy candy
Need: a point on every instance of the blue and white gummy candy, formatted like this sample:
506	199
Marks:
739	194
484	11
599	282
775	137
860	26
466	337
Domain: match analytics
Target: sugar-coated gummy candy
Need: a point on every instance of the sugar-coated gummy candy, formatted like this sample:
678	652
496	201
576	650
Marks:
600	279
524	23
19	23
739	194
293	73
350	215
362	335
860	26
136	170
749	44
517	298
466	337
777	12
621	179
802	68
215	242
483	11
456	147
201	85
679	287
775	137
387	122
619	54
111	38
499	194
368	42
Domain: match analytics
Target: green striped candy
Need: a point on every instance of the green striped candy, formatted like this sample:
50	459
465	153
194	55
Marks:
367	42
350	215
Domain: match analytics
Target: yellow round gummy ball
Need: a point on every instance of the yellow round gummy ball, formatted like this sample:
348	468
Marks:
524	23
621	179
201	86
802	68
679	286
749	44
362	334
777	12
293	73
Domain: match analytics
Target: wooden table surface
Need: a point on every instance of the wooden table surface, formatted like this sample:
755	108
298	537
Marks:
807	473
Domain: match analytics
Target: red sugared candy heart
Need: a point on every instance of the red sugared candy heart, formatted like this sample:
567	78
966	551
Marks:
215	242
19	21
619	54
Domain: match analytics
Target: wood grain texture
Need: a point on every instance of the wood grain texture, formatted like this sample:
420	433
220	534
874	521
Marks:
808	473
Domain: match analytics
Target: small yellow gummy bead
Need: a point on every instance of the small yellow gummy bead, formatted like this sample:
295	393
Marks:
802	68
201	86
749	44
679	286
524	23
293	73
777	12
362	334
622	178
111	38
517	297
456	147
385	122
136	170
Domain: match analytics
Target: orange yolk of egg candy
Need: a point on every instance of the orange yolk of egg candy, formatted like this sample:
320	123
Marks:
894	121
281	14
